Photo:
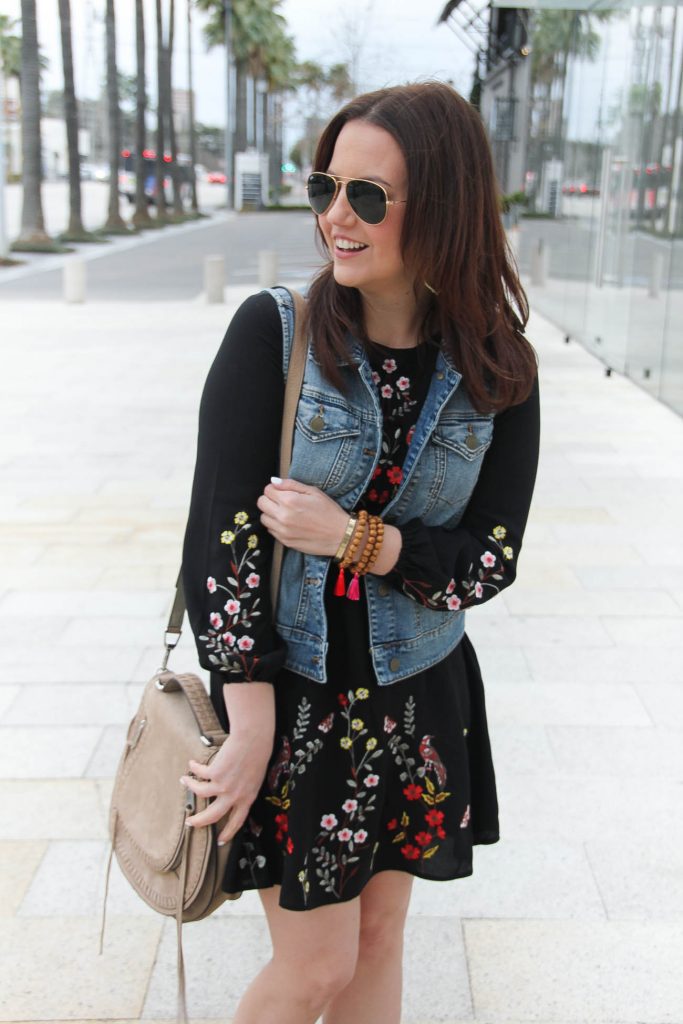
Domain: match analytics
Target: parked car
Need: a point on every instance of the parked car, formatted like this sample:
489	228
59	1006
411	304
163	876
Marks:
216	178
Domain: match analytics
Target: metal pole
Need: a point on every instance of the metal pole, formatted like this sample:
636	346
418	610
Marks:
4	252
229	190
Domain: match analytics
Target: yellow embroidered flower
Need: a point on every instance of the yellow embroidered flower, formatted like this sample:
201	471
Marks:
301	876
241	518
371	743
508	552
357	724
499	532
227	537
345	743
252	540
362	693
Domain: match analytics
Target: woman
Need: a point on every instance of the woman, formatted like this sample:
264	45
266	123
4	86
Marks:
358	754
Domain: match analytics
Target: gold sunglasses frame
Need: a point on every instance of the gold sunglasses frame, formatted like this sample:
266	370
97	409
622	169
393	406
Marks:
338	181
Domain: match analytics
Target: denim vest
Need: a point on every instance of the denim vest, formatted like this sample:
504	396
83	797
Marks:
337	444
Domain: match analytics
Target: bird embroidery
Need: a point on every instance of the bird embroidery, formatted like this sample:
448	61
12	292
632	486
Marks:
431	759
280	764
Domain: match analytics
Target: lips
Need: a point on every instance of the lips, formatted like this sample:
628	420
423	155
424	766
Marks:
348	246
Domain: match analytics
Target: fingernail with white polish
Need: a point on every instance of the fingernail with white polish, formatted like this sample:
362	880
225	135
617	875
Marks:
221	842
182	780
276	480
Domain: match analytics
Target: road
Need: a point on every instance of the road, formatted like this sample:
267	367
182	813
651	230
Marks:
169	264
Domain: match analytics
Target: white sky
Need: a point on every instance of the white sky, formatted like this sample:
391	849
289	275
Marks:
400	41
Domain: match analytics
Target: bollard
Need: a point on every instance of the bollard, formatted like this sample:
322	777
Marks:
656	273
267	268
214	276
540	258
74	281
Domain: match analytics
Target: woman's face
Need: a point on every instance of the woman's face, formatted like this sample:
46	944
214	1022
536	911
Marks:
363	150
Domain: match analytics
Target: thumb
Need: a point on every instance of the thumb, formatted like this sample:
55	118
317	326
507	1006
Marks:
290	485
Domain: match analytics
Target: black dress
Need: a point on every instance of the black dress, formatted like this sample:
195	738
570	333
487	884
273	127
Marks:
363	778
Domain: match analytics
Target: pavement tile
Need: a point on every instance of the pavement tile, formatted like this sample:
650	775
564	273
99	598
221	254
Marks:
42	752
638	632
530	703
517	878
521	749
68	704
584	751
550	601
664	702
86	603
7	696
537	631
106	755
641	879
37	958
576	971
52	809
67	665
18	863
641	665
111	631
505	663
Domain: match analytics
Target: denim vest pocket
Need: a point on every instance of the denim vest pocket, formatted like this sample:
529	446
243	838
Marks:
454	456
326	442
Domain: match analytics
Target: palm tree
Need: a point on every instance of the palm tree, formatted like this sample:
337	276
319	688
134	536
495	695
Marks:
75	231
10	48
178	212
192	130
161	104
32	234
115	222
141	217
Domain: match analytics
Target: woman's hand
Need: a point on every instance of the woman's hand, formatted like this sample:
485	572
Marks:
235	775
302	517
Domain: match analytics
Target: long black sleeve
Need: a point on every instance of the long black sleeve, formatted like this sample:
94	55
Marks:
451	569
227	554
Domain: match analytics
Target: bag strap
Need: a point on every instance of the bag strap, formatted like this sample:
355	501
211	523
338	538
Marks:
295	377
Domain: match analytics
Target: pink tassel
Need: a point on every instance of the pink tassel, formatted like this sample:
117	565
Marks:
353	593
340	585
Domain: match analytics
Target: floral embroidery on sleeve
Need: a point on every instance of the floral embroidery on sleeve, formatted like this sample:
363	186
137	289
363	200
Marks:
482	581
226	638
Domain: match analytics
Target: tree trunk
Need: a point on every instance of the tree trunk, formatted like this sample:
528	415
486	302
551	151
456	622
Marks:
32	223
242	74
192	132
75	230
161	106
141	217
115	221
175	170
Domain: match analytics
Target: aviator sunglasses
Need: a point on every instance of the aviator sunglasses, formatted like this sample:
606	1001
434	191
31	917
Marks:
368	200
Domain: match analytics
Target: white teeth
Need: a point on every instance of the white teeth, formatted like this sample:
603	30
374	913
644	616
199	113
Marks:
343	243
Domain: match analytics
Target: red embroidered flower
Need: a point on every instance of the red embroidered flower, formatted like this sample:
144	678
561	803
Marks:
434	817
423	838
392	825
441	833
281	821
394	474
384	496
411	852
409	435
290	845
372	494
378	472
412	791
343	700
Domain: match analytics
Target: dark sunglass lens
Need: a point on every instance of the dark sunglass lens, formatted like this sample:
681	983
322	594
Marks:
321	191
367	200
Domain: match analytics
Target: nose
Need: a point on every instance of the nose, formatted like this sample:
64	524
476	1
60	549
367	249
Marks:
339	209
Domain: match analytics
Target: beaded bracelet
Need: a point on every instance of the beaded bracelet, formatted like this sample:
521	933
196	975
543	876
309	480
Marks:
358	531
368	556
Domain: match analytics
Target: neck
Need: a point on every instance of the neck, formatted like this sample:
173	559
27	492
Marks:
393	321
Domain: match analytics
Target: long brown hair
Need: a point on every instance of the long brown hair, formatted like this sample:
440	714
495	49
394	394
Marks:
452	238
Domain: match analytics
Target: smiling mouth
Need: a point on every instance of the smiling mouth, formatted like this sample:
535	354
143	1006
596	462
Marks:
345	245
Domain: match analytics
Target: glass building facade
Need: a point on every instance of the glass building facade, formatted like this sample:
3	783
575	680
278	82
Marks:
588	125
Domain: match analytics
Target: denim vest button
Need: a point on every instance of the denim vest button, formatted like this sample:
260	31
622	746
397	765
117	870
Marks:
440	375
384	590
395	664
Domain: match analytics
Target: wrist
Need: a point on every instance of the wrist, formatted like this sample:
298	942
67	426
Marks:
389	552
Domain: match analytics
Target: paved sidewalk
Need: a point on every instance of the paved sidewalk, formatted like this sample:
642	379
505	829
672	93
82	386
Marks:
575	916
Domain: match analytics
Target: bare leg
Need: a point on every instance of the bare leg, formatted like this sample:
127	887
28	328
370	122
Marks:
374	992
314	957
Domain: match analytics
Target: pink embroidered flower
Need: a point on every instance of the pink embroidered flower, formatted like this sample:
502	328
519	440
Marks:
328	821
478	590
465	818
253	580
360	836
245	643
232	606
387	391
344	834
371	780
215	620
451	587
389	724
211	585
403	383
326	723
375	377
409	435
453	603
229	639
389	365
488	559
349	806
